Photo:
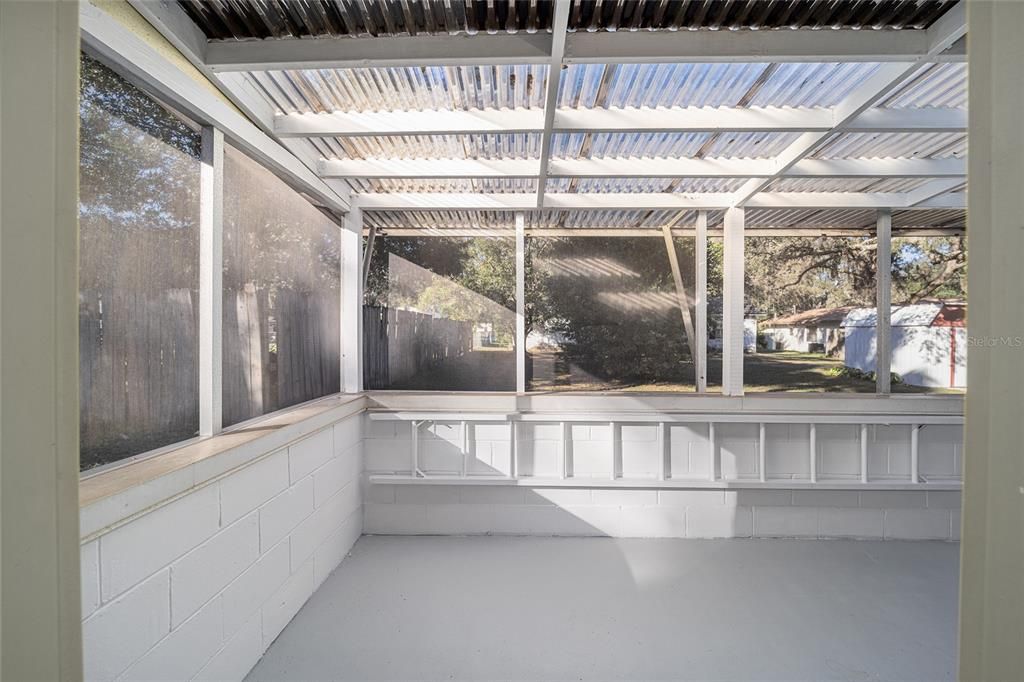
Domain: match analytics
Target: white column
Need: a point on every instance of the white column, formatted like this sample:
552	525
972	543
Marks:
701	302
992	549
352	303
732	304
520	303
883	295
39	545
211	279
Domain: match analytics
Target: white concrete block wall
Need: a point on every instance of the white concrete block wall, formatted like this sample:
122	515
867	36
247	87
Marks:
399	509
198	587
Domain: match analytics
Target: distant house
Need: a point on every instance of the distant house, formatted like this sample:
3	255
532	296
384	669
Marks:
817	330
929	342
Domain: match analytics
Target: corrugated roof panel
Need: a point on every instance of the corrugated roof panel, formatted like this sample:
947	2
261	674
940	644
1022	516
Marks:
656	85
404	88
795	218
846	184
666	145
229	19
940	85
484	185
893	145
481	146
749	145
942	217
811	85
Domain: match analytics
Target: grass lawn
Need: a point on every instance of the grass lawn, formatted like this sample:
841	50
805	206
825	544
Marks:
763	372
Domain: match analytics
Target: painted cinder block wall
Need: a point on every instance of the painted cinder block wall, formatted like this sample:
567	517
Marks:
198	586
618	512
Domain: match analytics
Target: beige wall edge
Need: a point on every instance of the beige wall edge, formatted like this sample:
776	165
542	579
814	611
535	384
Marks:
40	632
992	549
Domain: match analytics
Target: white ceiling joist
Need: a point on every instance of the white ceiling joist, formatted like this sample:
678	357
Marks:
635	167
654	232
674	119
940	36
639	47
558	28
472	201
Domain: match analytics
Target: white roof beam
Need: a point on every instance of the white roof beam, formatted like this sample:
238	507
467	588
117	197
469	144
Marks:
651	47
662	119
509	232
643	47
559	25
427	201
341	53
630	167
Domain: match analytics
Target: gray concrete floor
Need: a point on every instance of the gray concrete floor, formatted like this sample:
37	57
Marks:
515	608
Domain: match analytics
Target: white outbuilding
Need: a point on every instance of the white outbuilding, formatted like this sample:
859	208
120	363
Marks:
929	342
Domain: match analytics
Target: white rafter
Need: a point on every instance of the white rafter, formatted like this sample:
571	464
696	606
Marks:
638	47
637	167
558	34
479	201
639	119
940	36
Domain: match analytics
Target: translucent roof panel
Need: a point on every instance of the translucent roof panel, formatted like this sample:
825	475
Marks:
667	145
709	85
656	219
846	184
938	85
458	186
893	145
404	88
484	146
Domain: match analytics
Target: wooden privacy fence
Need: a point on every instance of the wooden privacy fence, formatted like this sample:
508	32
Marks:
138	355
281	348
401	344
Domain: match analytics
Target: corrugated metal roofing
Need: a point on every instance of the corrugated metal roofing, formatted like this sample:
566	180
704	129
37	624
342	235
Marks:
893	145
582	219
482	146
232	19
404	88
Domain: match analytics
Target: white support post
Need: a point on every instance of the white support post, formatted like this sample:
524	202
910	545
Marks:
559	22
664	449
414	449
40	580
761	456
915	430
701	302
863	453
732	306
371	237
352	303
682	300
616	449
513	449
464	433
564	430
883	294
211	275
713	452
813	453
520	303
